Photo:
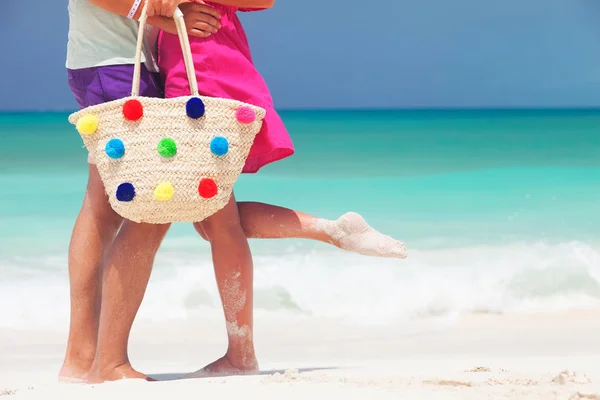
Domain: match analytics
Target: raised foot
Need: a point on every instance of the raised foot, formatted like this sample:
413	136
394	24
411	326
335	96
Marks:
224	367
352	233
116	374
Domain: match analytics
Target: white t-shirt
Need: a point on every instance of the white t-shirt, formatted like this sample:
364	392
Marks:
98	37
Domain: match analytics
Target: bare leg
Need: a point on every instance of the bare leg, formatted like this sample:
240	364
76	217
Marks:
234	274
350	232
126	275
94	231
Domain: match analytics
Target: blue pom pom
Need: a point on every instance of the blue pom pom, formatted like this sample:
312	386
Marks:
125	192
115	148
219	146
194	108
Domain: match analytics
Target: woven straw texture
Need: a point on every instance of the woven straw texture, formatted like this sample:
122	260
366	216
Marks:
192	176
143	166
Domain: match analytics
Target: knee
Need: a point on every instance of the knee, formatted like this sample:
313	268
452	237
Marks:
96	201
150	234
200	230
149	230
97	207
215	230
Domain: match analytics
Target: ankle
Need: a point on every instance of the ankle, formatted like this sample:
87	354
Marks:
111	372
242	356
105	368
79	359
242	361
75	368
105	363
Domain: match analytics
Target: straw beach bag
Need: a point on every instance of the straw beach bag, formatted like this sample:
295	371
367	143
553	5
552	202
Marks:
169	160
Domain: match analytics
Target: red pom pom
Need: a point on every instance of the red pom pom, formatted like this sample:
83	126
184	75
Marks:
207	188
133	110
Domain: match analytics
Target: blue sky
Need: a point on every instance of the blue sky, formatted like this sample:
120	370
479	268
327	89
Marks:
384	54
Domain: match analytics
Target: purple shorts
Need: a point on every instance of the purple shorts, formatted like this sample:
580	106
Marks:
98	85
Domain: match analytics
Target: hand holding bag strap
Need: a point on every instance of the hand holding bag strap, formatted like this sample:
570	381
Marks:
185	48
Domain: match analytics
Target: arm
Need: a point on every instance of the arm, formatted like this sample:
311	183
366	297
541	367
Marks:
166	7
122	7
249	4
201	20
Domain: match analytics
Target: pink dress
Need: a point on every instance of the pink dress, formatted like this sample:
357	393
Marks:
224	68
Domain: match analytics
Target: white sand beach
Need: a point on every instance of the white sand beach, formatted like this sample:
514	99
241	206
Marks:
519	356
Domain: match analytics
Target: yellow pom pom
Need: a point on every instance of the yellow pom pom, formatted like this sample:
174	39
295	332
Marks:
87	124
164	191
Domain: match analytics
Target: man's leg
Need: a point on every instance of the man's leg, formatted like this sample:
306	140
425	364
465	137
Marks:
97	223
94	231
126	274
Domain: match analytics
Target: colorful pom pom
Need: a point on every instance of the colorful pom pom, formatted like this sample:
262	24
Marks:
115	148
125	192
219	146
87	124
207	188
195	108
245	115
133	110
167	148
164	191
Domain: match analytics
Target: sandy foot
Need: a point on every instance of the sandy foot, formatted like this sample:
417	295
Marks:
224	367
352	233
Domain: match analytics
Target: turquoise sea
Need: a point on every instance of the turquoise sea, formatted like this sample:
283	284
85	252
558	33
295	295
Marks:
499	210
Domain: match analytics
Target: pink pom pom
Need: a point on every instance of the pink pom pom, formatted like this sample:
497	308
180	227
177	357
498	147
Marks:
245	115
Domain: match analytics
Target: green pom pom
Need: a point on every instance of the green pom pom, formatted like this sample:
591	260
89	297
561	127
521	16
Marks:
167	148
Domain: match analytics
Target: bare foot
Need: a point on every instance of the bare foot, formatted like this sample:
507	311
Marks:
224	367
352	233
70	373
121	372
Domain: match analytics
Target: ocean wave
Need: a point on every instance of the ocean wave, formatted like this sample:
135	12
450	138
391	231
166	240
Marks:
295	281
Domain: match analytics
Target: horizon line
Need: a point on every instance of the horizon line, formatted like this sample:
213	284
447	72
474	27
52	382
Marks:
354	109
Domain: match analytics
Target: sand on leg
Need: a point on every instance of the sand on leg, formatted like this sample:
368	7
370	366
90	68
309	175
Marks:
93	233
350	232
126	275
234	274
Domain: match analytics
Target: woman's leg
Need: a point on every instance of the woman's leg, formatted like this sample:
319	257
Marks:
349	232
234	274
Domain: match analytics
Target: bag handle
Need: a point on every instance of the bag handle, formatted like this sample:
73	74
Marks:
185	48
